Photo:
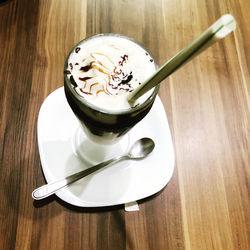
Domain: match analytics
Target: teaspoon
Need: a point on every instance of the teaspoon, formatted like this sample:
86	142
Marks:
139	150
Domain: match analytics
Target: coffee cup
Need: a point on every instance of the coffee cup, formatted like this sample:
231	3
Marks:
99	72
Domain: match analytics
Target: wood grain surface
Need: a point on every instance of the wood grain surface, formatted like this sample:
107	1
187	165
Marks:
206	203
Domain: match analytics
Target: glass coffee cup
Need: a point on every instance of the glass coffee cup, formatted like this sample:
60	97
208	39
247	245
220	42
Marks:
103	126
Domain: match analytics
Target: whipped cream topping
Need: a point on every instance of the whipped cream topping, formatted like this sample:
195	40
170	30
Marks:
105	69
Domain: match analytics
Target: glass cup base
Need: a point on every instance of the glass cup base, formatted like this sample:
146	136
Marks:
94	153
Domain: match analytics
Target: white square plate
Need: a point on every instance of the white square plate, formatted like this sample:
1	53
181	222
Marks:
124	182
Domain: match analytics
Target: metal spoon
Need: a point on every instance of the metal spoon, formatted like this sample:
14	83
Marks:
221	28
139	150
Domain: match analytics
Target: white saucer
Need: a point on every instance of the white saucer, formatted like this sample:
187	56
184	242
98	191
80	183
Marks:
124	182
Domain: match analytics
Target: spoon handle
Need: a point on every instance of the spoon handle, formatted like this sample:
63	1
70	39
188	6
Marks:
51	188
215	32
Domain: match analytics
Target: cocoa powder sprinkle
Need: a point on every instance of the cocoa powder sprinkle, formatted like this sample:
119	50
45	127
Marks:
77	49
67	72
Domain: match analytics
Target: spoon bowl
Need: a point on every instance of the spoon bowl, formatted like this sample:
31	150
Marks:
141	148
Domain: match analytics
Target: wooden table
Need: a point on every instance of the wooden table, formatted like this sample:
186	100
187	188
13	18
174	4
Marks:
206	203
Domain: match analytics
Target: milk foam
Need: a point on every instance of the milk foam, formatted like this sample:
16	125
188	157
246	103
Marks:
105	69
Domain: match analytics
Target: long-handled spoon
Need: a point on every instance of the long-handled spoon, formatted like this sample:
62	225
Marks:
139	150
221	28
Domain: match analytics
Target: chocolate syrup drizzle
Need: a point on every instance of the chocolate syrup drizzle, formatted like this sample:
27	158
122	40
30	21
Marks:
120	80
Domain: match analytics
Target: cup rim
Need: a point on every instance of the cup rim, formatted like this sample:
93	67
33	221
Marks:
94	107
